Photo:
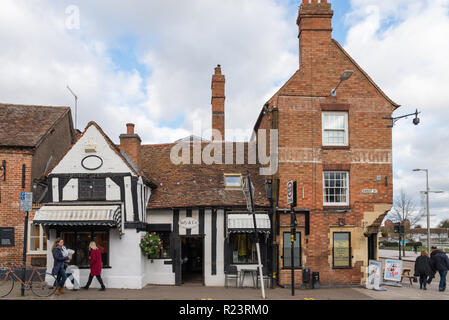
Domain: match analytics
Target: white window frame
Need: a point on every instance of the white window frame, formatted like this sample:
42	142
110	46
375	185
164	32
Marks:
346	136
336	204
41	240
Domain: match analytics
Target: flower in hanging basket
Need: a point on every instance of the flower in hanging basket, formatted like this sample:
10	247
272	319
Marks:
150	245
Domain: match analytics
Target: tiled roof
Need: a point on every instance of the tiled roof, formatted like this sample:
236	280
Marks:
196	185
26	126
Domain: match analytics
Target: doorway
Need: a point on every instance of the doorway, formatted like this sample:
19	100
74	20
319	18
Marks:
372	245
192	260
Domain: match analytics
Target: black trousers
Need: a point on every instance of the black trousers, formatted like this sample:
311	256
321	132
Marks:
423	280
98	278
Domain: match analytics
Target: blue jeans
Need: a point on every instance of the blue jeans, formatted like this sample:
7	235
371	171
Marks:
443	275
61	278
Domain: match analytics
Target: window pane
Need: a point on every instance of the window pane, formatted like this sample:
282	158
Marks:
233	181
342	250
101	239
82	248
335	187
287	250
243	248
334	129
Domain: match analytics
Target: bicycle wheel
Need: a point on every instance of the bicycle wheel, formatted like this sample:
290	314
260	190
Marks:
6	285
42	284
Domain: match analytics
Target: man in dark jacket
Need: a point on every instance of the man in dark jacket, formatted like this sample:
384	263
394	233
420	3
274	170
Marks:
441	264
423	269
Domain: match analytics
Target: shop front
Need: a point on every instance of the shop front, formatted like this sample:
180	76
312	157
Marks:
204	242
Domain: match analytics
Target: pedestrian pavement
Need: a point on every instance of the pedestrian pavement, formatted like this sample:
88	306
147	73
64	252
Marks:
197	292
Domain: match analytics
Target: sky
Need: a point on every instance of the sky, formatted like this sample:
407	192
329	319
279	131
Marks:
150	63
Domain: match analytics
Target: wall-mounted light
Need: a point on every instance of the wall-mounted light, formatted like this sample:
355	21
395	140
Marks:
341	222
345	76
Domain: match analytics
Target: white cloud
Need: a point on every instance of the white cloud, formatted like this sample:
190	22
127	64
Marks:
179	42
403	46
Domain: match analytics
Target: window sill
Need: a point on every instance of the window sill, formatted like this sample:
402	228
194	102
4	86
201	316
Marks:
332	208
336	147
288	268
342	268
37	253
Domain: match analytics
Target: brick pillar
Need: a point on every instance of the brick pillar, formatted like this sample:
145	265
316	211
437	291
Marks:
130	143
218	102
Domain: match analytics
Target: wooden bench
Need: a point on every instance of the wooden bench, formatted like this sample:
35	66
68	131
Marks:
406	274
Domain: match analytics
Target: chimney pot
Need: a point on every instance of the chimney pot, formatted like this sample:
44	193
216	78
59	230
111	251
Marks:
130	128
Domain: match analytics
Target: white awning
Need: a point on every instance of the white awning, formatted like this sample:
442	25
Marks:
110	216
239	223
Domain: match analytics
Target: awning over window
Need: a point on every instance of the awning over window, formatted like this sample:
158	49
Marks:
244	223
110	216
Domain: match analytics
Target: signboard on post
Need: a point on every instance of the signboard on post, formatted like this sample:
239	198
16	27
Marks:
26	201
291	193
393	270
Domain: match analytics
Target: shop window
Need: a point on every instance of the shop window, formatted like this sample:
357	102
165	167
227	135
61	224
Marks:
92	189
336	188
37	239
287	251
341	252
6	237
79	242
335	129
243	248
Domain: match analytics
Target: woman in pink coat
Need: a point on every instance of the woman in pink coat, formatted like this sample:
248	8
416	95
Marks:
95	266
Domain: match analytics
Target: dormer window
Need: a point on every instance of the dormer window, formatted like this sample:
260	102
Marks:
233	181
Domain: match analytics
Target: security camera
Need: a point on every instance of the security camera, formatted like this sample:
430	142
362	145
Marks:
416	121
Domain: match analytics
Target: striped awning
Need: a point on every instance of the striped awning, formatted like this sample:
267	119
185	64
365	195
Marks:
109	216
244	223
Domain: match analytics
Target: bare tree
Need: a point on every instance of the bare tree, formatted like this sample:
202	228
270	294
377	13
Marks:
404	212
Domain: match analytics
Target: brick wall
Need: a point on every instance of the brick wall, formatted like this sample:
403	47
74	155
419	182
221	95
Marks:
303	158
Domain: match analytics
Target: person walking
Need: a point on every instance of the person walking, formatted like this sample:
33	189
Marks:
441	264
58	265
95	266
415	247
423	269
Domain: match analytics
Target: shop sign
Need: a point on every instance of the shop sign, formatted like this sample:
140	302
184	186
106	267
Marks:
374	274
393	270
188	223
341	253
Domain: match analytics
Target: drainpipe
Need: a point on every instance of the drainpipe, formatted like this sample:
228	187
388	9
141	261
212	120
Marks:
274	199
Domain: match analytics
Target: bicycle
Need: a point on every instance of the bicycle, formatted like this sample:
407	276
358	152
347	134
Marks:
39	282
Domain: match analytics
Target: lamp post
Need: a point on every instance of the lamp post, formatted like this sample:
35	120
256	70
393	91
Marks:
427	204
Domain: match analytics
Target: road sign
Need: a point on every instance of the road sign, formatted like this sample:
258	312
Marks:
26	201
291	193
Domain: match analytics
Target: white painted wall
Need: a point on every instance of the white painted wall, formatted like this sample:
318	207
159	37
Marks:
128	199
70	191
160	217
112	190
71	163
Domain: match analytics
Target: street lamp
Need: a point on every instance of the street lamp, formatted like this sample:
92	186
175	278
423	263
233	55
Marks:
345	76
428	209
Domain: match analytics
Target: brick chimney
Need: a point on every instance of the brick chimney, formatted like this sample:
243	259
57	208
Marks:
315	30
218	102
130	144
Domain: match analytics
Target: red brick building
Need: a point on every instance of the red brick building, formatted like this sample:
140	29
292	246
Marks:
338	149
32	139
